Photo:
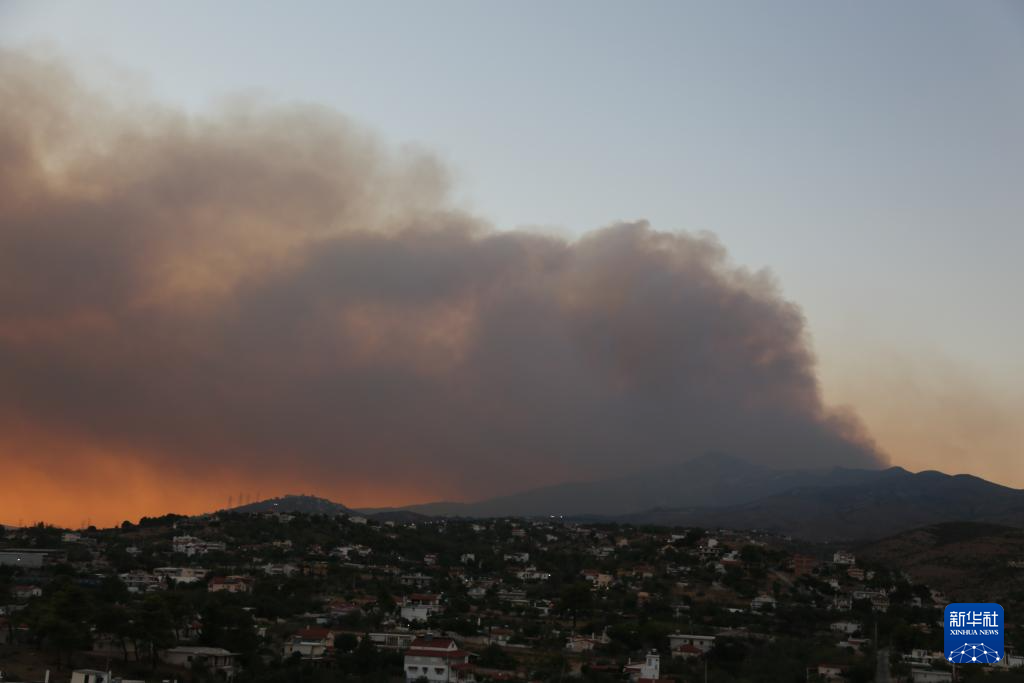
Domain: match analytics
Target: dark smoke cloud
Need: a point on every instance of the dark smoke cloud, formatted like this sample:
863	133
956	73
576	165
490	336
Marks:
269	288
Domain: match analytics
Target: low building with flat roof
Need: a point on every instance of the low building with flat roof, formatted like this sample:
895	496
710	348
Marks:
31	557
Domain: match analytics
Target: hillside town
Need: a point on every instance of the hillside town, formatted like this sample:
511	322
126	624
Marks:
282	596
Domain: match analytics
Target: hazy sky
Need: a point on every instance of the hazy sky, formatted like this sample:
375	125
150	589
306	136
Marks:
870	154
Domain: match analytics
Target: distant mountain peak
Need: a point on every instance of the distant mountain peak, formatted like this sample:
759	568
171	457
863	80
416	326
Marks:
721	459
295	502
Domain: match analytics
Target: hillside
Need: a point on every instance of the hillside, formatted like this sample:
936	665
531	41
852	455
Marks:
892	501
969	561
712	480
722	491
295	503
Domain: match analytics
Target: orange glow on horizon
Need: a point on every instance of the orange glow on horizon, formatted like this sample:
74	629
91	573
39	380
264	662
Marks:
91	499
72	484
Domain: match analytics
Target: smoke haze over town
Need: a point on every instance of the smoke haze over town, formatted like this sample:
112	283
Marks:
259	294
269	293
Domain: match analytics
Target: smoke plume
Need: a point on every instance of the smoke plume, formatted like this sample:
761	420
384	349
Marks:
267	291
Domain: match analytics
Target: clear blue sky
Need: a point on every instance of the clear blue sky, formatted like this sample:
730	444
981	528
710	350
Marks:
870	153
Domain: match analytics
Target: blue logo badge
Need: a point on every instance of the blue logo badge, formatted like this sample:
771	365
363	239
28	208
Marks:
974	633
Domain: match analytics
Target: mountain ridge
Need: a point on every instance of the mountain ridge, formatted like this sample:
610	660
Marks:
292	503
710	480
716	490
894	501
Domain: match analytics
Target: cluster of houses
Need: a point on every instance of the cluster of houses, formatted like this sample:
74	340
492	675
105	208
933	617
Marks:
441	594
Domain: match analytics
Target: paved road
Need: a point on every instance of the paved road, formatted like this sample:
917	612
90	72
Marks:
882	669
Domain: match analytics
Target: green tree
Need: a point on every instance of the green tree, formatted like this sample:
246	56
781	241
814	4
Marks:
152	626
494	657
114	620
345	643
576	599
226	624
112	590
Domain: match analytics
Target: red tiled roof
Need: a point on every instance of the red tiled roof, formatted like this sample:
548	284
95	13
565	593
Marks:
438	654
431	643
314	633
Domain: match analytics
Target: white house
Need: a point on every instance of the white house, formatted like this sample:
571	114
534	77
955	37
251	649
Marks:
419	606
214	659
1013	661
500	636
139	581
180	574
575	643
532	574
392	640
433	659
30	557
419	580
841	557
94	676
847	627
922	656
645	671
854	644
309	643
687	645
879	600
543	606
90	676
230	584
926	674
286	569
597	578
190	545
26	592
831	672
762	602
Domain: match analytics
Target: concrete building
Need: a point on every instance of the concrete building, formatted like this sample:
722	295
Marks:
392	640
419	606
214	659
433	659
31	558
686	645
95	676
647	671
